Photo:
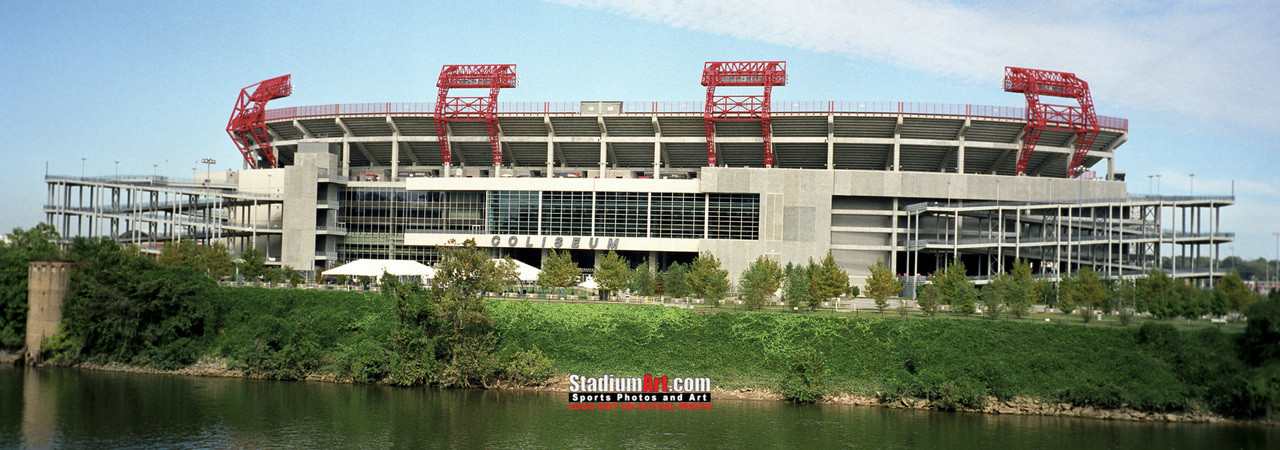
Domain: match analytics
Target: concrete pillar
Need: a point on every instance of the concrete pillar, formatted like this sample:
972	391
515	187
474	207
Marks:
657	150
346	160
46	287
395	160
604	147
831	145
551	147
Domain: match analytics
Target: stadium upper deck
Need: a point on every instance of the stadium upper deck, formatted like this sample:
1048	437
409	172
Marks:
670	136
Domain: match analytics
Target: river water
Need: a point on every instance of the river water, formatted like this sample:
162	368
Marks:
80	408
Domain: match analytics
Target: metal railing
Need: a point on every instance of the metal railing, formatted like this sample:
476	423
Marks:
1122	201
678	107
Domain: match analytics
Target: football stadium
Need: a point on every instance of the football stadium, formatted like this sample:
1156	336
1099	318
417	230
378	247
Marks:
739	174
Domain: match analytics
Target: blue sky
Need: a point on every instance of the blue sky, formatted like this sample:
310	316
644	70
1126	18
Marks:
147	83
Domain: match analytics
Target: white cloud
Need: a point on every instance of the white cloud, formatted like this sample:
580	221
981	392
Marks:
1201	60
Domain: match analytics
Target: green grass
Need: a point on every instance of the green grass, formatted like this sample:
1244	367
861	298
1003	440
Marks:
864	355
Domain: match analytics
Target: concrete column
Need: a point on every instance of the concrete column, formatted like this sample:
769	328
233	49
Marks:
897	146
395	160
893	236
346	160
551	146
831	144
604	147
657	150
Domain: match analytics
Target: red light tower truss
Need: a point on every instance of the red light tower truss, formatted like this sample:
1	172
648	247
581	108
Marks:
472	109
1042	116
247	125
741	107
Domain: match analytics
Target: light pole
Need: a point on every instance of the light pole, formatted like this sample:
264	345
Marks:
1158	185
1151	182
208	164
82	167
117	169
1193	184
154	171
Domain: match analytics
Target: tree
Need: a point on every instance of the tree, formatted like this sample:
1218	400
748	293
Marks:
1022	291
1194	304
826	280
559	271
183	254
966	298
995	294
759	282
1261	339
125	307
273	275
445	334
927	299
466	270
642	280
881	285
217	261
707	280
1125	294
1237	294
1084	290
675	280
506	272
795	289
292	276
253	264
614	273
1154	295
956	289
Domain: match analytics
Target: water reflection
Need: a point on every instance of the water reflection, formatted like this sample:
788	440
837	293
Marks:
67	407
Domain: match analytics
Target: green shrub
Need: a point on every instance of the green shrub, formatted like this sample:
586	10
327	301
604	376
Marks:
364	361
949	394
806	377
527	367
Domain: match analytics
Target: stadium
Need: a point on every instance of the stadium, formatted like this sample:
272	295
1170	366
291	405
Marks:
917	186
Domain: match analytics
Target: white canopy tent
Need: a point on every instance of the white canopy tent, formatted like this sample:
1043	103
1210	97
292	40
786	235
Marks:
376	267
589	284
524	271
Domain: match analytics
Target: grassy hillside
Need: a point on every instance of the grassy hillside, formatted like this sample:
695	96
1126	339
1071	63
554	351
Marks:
287	334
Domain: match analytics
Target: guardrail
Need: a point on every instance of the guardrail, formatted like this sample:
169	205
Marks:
678	107
1130	199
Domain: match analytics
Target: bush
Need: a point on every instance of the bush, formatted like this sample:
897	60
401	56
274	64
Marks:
365	361
805	380
949	394
527	367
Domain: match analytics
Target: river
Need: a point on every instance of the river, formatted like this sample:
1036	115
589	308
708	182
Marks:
80	408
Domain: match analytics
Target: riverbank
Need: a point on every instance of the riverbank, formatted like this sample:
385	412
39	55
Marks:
1148	372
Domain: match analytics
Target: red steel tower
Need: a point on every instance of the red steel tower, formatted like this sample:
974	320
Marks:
247	125
1043	116
741	107
472	109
